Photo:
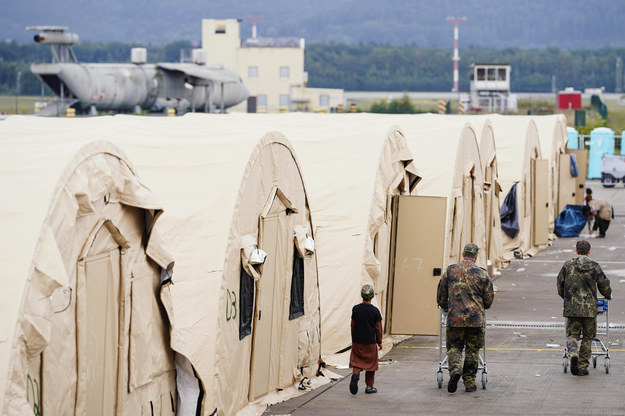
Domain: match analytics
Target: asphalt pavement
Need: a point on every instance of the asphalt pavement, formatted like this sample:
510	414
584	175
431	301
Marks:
524	340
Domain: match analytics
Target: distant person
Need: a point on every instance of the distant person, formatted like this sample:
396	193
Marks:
605	214
465	291
588	196
578	281
588	210
366	340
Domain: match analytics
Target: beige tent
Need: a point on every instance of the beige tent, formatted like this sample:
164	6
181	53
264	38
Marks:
492	190
447	208
519	162
553	143
488	157
242	328
82	329
354	166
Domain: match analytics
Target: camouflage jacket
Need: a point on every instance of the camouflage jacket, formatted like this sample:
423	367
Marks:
465	290
578	281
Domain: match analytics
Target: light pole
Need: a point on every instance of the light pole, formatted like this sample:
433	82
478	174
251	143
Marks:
17	89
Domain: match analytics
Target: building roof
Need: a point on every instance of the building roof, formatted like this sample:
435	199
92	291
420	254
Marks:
290	42
490	63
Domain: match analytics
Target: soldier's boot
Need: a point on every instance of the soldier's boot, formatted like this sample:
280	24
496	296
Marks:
453	381
469	389
582	372
574	367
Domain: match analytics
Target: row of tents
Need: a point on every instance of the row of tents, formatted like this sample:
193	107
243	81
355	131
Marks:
194	265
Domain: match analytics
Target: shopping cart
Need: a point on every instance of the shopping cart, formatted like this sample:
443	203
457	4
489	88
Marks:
443	364
599	348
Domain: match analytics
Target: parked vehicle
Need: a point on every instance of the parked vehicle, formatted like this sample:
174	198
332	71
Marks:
612	170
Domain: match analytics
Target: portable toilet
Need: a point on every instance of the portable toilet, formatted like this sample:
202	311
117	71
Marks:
573	136
601	143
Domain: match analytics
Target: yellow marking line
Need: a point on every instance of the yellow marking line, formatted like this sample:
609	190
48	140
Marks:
505	349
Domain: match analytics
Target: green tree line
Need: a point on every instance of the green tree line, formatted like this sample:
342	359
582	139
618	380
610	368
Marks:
409	68
363	67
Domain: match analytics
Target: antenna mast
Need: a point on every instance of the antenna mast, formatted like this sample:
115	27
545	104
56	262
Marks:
456	21
254	19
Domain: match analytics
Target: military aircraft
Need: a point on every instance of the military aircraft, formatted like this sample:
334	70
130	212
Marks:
126	87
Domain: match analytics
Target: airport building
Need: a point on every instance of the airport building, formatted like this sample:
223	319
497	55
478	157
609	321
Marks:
490	88
272	69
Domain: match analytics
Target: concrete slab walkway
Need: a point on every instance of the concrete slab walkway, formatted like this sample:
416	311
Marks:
524	339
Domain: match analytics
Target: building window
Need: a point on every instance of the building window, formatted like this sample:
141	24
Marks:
284	100
221	29
481	74
252	72
324	100
296	307
261	100
284	72
501	74
491	74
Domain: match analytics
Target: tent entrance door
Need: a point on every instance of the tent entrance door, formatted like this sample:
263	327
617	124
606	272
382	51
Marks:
98	316
581	157
540	217
265	363
419	239
566	188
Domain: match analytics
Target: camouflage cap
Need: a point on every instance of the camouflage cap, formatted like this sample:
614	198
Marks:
367	292
470	250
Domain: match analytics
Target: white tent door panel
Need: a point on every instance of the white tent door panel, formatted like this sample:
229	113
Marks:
268	314
102	274
566	187
540	189
581	157
419	246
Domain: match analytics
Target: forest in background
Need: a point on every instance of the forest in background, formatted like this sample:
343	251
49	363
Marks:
363	67
527	24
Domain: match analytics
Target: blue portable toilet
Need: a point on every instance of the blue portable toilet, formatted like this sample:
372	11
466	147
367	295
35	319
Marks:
601	143
573	136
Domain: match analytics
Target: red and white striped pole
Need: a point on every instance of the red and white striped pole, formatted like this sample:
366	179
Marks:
456	58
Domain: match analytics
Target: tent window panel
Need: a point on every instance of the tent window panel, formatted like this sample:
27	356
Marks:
246	303
296	308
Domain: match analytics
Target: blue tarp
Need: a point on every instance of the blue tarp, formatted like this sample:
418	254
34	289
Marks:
509	215
570	222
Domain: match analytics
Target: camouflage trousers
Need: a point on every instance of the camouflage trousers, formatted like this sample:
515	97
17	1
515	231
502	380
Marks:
471	340
584	329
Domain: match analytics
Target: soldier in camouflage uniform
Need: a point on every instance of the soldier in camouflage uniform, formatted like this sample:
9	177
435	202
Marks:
464	291
578	281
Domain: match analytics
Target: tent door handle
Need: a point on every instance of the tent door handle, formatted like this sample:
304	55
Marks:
259	313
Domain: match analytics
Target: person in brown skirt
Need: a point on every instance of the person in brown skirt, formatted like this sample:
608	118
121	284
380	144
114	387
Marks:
366	340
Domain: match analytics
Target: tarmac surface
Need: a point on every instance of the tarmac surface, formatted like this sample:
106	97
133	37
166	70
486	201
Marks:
524	349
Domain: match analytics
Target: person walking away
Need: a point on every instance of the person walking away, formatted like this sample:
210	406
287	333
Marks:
366	327
464	292
605	213
578	281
